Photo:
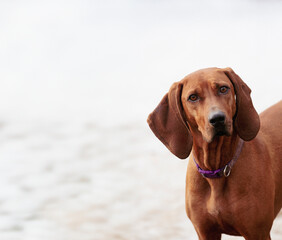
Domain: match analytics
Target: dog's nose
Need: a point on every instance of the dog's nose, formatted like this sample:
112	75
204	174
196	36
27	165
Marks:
217	118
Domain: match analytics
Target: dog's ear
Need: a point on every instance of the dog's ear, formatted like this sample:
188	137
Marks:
168	124
247	122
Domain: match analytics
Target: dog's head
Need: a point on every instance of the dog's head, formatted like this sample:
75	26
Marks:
208	103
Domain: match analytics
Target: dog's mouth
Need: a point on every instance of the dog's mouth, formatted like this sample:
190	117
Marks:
215	133
221	131
212	133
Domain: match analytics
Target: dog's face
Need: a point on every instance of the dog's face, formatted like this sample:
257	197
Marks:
209	103
203	105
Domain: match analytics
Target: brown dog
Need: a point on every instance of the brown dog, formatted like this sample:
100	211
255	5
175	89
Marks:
234	179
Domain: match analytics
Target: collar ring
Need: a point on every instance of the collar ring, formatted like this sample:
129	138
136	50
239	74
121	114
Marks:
227	171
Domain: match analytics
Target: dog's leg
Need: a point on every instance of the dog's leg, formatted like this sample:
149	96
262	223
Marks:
209	236
258	237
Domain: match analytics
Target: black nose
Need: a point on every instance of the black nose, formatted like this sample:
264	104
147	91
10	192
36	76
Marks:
217	119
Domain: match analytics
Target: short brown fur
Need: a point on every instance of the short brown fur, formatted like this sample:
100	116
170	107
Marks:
245	203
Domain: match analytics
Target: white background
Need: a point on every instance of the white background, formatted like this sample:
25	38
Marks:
113	60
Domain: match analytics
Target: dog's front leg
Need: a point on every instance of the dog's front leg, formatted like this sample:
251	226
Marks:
205	234
258	237
209	236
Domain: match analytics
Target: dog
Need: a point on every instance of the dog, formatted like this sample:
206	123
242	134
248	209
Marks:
234	179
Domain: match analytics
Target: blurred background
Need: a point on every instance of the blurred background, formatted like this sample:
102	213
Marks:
78	79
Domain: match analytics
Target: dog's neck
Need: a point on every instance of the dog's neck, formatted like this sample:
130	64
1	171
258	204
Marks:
216	154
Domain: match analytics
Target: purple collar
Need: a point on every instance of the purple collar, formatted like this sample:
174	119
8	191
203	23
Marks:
224	171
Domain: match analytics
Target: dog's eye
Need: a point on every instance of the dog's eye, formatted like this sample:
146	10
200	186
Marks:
224	89
193	98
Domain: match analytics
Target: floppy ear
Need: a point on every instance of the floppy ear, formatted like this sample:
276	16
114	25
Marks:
168	124
247	122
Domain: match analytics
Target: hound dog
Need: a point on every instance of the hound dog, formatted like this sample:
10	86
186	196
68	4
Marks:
234	178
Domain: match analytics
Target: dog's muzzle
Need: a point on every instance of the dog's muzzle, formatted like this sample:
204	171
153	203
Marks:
217	121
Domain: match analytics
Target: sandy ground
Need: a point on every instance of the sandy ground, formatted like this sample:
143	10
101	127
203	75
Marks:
82	181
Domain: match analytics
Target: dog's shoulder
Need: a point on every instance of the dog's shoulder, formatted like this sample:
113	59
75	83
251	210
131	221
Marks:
271	125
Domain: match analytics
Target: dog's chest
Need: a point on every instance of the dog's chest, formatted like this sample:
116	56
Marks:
221	213
215	211
216	208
